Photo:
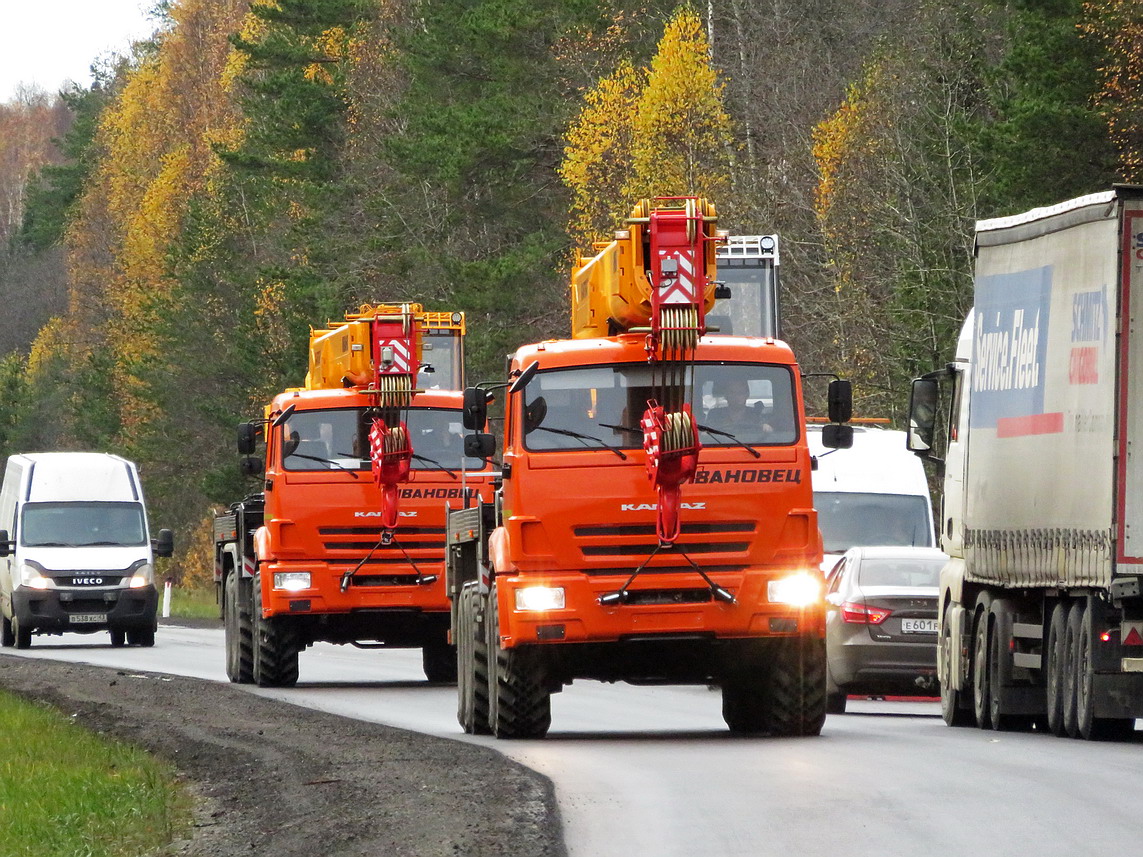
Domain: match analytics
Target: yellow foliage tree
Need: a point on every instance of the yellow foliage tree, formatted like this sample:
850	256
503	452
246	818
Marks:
1118	25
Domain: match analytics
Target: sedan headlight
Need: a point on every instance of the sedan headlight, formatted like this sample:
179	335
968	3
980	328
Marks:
292	581
540	598
798	590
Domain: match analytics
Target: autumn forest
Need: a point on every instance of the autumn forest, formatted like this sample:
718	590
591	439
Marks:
168	236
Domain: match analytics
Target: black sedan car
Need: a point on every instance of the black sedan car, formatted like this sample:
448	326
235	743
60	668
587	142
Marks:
881	623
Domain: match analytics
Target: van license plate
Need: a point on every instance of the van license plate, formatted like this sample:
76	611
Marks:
87	618
918	626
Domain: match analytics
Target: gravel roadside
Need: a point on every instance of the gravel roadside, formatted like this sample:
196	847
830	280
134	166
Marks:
282	781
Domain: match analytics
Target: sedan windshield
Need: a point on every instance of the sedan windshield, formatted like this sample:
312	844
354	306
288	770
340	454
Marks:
600	406
851	518
339	440
76	524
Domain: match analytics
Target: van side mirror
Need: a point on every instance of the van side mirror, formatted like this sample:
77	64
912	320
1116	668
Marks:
840	397
480	445
837	436
247	438
475	409
164	543
250	466
5	544
923	400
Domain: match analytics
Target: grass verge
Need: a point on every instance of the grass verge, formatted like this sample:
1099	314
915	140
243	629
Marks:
192	603
65	792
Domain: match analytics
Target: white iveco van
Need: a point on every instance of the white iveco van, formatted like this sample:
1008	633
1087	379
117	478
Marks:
76	552
872	494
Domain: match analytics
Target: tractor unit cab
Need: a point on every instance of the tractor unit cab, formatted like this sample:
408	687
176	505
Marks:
345	544
655	521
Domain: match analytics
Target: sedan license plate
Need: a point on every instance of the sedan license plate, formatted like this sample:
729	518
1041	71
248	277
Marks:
918	626
87	618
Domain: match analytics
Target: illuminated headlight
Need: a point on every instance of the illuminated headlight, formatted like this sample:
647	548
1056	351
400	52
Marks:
34	577
540	598
143	575
799	590
291	581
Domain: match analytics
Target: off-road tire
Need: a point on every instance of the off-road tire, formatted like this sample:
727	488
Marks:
238	634
472	665
1089	726
7	635
438	660
1054	681
519	703
794	702
21	636
144	637
275	646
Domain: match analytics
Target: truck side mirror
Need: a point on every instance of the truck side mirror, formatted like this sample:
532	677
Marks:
250	466
840	396
923	400
5	544
480	445
164	543
837	436
247	438
475	410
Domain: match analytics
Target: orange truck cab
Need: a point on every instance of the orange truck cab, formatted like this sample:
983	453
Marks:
307	558
566	573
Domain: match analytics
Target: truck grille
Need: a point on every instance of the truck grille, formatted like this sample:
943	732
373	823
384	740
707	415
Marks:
702	542
350	545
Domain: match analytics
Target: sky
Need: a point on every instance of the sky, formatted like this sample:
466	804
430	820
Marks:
48	42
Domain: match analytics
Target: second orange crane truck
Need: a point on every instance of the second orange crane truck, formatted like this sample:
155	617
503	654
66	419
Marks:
345	541
655	521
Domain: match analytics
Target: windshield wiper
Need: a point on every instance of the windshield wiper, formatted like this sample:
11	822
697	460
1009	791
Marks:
729	436
436	464
51	545
584	437
336	464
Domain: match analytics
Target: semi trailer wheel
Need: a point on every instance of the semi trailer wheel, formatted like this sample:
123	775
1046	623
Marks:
275	647
519	705
1089	726
1054	681
1071	649
980	695
954	708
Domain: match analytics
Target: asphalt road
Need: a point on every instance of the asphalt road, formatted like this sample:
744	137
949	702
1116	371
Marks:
652	772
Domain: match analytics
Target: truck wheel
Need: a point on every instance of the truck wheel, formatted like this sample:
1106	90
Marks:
7	635
953	706
141	637
438	659
794	701
118	638
275	646
519	705
1071	649
21	636
1090	727
472	666
980	695
998	671
742	695
1054	679
238	635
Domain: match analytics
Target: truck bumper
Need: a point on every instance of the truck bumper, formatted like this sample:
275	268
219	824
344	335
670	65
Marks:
87	610
664	605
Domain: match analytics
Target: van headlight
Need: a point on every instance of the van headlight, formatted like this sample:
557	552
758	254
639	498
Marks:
540	598
292	581
142	575
798	590
32	575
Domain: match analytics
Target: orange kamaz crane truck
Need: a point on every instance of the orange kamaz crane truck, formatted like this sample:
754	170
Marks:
345	541
655	521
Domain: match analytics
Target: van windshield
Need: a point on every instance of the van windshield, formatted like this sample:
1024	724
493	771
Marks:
851	518
82	524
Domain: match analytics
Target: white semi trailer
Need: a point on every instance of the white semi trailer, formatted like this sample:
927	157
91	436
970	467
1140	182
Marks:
1042	516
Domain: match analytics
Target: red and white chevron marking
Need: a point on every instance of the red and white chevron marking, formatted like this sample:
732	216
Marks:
682	289
402	357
